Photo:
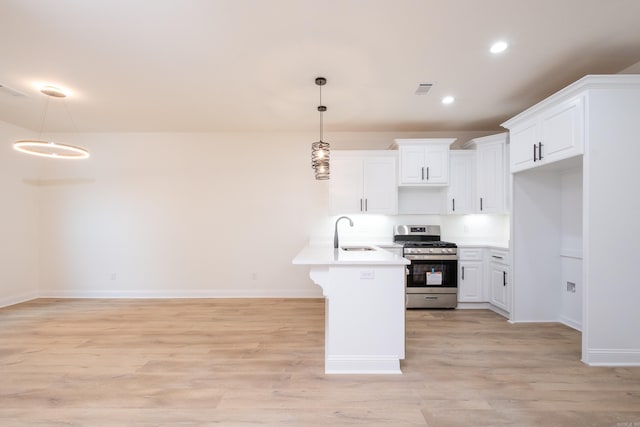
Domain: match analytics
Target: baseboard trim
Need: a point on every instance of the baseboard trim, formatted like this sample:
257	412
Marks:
498	310
362	364
571	323
473	306
612	357
17	299
218	293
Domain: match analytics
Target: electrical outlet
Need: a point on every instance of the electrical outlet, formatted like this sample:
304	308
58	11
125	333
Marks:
571	287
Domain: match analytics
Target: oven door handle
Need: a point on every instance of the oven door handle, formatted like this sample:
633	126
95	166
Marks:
419	258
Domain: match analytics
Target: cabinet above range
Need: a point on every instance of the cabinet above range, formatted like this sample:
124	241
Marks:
423	161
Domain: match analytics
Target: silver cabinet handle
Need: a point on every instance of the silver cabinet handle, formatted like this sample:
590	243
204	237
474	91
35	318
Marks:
360	205
480	203
427	174
423	174
534	153
430	297
453	205
504	278
462	272
496	256
366	205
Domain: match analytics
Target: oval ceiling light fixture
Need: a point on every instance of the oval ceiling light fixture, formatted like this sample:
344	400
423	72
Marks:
499	46
43	148
54	91
448	99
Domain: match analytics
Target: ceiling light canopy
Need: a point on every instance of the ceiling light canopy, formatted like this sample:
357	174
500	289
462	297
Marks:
44	148
499	46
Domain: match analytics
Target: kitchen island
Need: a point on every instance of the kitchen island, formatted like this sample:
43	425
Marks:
365	307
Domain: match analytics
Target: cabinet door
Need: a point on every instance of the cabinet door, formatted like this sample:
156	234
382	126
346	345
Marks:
436	164
470	281
380	190
562	131
346	185
523	141
460	193
491	178
499	282
411	164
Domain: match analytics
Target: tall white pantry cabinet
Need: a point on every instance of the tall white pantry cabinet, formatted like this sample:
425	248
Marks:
575	232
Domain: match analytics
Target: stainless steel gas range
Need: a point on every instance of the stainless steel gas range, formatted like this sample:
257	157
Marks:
432	276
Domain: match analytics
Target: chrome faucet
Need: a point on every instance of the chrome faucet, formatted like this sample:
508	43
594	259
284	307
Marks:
335	233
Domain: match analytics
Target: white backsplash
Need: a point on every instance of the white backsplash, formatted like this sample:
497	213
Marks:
463	229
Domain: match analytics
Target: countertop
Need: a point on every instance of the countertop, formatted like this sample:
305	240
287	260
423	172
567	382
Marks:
327	255
472	244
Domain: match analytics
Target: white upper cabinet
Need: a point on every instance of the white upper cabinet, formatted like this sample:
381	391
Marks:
488	184
462	181
363	182
491	173
547	135
424	162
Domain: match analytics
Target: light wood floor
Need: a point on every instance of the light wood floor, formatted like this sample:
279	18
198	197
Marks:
260	362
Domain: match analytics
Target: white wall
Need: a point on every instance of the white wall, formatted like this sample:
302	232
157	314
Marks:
18	220
611	229
193	214
180	215
571	247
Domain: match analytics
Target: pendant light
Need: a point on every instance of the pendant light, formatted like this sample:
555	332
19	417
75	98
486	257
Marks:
43	148
320	149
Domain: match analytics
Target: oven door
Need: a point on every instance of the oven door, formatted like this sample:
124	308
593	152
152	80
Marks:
432	273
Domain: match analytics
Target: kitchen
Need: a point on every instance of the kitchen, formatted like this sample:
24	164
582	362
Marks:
161	211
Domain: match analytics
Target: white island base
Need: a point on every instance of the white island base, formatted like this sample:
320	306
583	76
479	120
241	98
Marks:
365	310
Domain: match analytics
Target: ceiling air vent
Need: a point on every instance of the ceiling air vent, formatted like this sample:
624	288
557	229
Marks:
423	88
9	91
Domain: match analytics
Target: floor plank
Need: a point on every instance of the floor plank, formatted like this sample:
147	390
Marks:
247	362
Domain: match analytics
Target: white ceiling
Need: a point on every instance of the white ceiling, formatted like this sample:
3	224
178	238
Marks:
250	65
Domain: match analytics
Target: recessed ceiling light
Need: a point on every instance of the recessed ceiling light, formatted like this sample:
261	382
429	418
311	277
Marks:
498	47
448	99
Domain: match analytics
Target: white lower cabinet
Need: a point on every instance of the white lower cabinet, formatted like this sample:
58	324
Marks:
483	278
499	279
470	284
470	275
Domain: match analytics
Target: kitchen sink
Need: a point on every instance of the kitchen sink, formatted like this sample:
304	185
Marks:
357	248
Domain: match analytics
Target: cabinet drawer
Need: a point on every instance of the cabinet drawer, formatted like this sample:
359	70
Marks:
471	254
432	300
499	256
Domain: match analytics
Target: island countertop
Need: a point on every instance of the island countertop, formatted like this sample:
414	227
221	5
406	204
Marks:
328	255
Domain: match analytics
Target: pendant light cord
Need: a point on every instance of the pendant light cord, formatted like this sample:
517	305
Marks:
320	109
43	118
